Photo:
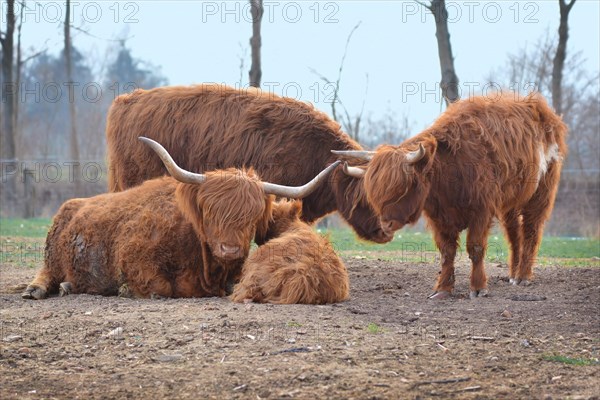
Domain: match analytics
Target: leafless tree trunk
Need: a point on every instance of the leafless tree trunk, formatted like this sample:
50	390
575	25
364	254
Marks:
257	10
561	54
74	147
16	124
7	137
449	83
8	89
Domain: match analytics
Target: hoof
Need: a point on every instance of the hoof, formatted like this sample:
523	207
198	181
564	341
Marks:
34	293
65	289
478	293
441	295
519	281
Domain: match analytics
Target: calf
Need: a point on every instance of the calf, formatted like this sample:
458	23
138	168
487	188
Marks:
297	266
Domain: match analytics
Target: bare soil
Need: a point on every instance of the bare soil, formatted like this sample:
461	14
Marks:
387	341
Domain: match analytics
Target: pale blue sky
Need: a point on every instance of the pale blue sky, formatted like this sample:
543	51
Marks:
395	44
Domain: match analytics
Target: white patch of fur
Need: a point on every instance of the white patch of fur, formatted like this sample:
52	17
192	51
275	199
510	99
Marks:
546	158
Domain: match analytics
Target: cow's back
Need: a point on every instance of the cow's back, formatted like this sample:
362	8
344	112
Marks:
492	152
93	241
209	127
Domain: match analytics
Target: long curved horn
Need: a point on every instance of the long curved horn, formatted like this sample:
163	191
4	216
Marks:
360	154
353	171
175	170
414	156
298	192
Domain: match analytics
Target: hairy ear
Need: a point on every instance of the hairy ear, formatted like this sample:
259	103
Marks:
190	205
262	227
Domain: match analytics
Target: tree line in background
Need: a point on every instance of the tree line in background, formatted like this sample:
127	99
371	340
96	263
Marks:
60	107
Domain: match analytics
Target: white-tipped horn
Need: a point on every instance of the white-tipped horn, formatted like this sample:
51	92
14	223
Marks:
299	192
414	156
176	171
354	172
360	154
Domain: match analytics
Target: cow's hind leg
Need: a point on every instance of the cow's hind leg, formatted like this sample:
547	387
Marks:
65	288
477	236
43	284
511	221
535	213
447	242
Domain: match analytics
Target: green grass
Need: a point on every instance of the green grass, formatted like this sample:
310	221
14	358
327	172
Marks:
35	227
570	360
374	328
414	243
407	245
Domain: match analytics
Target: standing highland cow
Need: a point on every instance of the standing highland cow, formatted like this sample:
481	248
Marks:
164	237
482	158
208	127
297	266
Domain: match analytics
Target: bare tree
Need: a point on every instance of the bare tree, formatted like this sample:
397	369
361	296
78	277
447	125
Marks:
255	73
449	83
561	54
74	146
8	89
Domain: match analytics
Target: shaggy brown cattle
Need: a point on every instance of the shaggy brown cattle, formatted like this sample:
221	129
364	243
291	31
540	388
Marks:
208	127
298	266
164	237
482	158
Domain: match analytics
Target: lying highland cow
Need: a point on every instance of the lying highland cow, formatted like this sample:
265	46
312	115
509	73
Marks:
297	266
164	237
207	127
482	158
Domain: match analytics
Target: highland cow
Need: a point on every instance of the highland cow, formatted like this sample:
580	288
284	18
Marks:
180	236
481	159
297	266
208	127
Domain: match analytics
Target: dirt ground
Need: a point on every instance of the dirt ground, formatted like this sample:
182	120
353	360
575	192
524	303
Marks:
387	341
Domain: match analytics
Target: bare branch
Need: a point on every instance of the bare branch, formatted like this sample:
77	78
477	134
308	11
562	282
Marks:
337	82
87	33
318	74
567	5
429	7
34	55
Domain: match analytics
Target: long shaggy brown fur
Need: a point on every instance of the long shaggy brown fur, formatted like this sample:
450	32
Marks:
298	266
160	238
484	158
207	127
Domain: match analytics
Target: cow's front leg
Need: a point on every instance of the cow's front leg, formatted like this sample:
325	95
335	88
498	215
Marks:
447	242
476	247
43	284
